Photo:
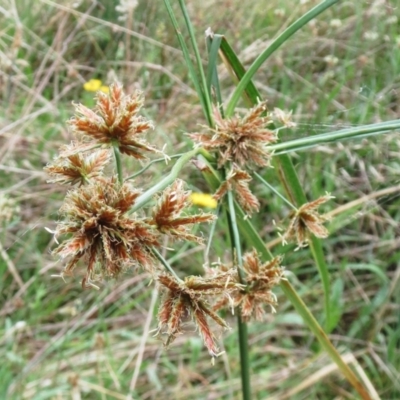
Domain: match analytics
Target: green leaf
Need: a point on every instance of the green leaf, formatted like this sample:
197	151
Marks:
278	42
336	304
356	132
203	97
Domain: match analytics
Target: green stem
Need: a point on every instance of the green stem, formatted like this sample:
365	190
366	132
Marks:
264	182
164	262
244	357
118	163
242	326
150	164
167	180
356	132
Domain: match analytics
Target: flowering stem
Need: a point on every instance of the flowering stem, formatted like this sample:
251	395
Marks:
167	180
242	326
118	163
264	182
150	164
164	262
252	237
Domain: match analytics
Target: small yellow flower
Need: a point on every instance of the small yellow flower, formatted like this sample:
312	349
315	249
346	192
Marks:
104	89
203	200
94	85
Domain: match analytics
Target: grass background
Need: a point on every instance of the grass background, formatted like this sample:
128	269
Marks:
59	342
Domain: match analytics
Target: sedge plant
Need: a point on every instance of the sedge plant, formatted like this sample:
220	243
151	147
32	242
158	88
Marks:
110	226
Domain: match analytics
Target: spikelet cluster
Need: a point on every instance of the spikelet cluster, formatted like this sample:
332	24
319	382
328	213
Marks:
96	224
305	221
255	291
188	299
239	140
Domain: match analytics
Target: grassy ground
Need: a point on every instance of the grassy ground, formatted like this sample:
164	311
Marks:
59	342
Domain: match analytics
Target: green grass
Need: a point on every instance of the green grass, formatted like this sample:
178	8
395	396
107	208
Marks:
57	341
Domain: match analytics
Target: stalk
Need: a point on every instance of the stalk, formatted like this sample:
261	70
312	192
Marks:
242	326
118	163
167	180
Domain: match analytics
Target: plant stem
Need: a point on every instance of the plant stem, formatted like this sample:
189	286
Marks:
167	180
264	182
242	326
118	163
157	160
164	262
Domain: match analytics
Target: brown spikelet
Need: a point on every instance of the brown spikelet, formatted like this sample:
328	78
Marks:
76	168
101	232
240	140
238	181
187	298
307	220
167	213
115	120
256	290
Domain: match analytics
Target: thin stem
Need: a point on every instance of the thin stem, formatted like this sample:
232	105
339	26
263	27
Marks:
164	262
235	235
331	137
150	164
242	326
211	235
264	182
118	163
167	180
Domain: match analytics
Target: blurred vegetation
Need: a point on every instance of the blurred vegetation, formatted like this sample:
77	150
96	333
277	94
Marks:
343	69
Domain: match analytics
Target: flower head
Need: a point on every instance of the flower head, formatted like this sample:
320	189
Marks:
76	167
167	214
240	140
306	220
101	232
183	299
256	290
115	121
238	181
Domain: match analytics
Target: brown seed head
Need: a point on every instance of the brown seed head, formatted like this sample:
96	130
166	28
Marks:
115	120
167	214
101	232
306	220
76	167
187	298
240	140
256	292
238	181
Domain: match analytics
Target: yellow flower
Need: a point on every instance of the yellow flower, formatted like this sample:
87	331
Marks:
94	85
104	89
203	200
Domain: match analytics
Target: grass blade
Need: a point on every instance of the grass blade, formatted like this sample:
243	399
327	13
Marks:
281	39
204	99
207	107
331	137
